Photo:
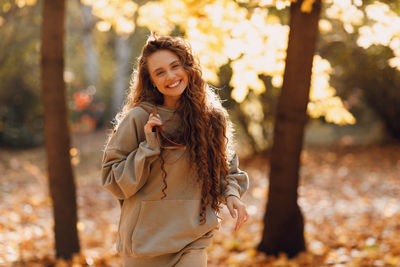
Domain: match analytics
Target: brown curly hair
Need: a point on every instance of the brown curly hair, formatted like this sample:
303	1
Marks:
206	130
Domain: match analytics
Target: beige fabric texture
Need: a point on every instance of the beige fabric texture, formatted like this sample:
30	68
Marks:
192	255
149	226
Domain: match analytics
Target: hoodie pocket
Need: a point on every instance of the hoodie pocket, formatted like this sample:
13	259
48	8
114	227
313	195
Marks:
167	226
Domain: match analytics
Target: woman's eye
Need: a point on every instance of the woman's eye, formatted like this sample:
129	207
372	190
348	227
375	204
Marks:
175	66
159	73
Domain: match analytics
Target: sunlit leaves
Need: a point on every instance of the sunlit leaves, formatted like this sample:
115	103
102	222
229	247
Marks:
279	4
103	26
382	28
220	31
6	5
346	11
263	49
307	5
324	26
116	13
150	10
22	3
253	40
323	101
394	62
207	26
384	31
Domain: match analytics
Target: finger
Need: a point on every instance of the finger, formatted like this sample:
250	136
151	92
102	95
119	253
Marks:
155	121
238	224
245	214
242	216
157	117
231	209
239	220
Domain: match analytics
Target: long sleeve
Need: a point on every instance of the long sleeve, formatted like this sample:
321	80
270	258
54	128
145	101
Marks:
238	180
128	156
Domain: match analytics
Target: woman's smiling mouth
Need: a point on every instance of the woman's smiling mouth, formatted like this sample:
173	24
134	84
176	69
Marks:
175	84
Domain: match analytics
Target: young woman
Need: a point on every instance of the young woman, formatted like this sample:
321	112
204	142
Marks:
169	161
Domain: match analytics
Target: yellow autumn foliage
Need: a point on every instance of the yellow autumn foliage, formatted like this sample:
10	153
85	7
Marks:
23	3
252	41
116	13
255	43
323	99
384	31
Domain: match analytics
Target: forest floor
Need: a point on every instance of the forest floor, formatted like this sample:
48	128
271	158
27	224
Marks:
349	196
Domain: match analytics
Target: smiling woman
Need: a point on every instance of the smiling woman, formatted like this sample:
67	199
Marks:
168	76
171	195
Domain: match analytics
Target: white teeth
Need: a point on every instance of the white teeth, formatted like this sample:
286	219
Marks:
174	84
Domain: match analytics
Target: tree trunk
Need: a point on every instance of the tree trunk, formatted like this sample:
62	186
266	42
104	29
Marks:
57	140
283	221
123	54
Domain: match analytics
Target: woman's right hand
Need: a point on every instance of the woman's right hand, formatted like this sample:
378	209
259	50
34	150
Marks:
154	120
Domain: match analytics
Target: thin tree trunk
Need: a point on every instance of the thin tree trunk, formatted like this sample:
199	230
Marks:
123	54
61	180
283	221
91	58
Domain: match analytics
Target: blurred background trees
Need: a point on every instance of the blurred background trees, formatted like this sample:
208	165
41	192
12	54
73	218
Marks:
20	105
241	45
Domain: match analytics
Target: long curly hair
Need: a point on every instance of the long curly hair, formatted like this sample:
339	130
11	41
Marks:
207	129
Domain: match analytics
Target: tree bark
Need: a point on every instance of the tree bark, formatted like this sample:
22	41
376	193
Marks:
57	139
283	220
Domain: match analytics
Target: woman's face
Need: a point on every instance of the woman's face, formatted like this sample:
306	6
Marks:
168	75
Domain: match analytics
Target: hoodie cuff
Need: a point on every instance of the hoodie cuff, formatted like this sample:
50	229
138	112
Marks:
230	191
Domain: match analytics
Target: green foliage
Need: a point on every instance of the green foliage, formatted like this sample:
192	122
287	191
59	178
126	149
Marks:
243	116
363	76
20	104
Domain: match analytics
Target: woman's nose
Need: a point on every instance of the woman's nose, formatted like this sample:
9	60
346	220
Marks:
170	75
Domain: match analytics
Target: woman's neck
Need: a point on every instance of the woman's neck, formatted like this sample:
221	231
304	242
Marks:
171	102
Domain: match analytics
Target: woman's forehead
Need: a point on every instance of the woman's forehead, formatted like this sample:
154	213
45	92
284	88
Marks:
161	59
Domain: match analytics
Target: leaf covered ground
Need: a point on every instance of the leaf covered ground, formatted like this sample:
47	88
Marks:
350	198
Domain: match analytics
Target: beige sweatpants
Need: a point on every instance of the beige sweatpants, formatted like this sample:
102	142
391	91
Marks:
193	255
196	257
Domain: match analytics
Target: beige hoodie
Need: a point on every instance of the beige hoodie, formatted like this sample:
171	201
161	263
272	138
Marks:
131	170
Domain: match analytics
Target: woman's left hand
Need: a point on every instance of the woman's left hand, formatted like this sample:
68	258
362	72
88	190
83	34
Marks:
237	209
